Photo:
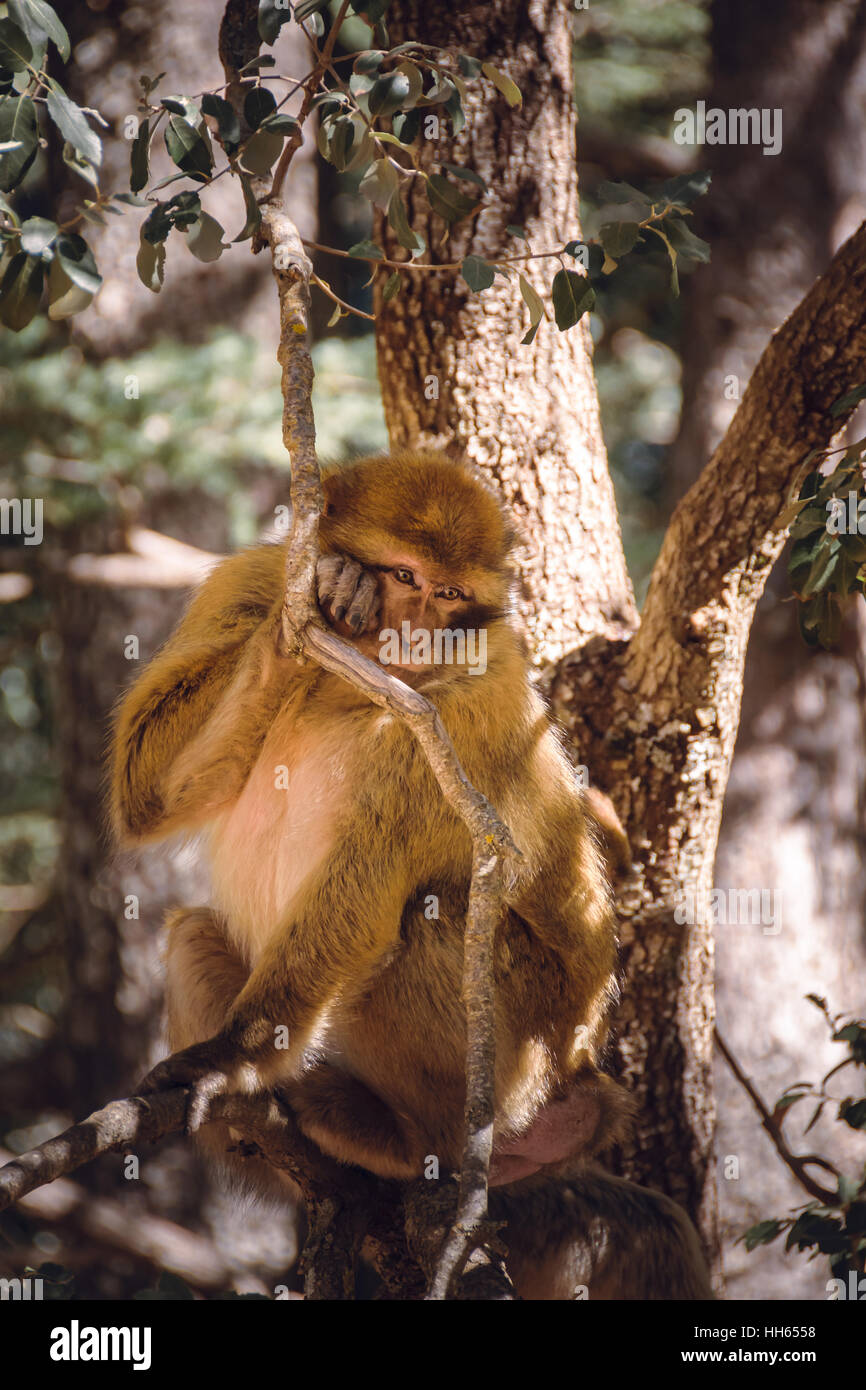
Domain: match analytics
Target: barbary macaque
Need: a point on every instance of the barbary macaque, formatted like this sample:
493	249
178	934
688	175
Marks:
328	965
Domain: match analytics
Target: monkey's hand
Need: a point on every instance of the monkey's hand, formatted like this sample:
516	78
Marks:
348	595
209	1069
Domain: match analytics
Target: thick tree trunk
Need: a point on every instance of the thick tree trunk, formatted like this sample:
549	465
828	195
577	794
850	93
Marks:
527	415
794	819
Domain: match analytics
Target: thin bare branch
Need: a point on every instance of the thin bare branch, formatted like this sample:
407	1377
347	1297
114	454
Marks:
796	1162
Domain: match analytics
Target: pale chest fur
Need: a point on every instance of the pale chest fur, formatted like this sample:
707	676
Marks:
267	848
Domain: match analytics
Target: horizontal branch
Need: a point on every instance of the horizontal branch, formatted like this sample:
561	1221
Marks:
122	1124
106	1221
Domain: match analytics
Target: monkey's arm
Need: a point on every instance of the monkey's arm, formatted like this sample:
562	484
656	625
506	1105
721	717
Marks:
330	944
186	734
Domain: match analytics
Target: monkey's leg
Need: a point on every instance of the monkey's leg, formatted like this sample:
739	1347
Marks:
602	1233
351	1123
203	978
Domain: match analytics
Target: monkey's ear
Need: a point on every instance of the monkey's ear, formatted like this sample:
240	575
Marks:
332	488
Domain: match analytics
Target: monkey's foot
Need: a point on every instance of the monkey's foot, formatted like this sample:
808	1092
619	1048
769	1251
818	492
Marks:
209	1069
562	1129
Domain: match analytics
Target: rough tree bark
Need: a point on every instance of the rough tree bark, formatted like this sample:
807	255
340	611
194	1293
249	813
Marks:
654	716
652	709
794	816
528	417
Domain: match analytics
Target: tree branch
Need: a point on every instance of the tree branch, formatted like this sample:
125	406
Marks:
796	1162
304	633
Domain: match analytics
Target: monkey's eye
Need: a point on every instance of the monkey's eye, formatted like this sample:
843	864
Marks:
403	575
450	593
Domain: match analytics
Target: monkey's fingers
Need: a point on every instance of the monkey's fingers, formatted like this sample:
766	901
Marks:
213	1083
328	569
186	1068
364	607
347	586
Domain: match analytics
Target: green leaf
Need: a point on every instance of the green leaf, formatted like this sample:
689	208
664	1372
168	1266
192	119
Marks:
178	211
21	291
367	250
621	192
150	264
454	107
18	125
469	175
81	166
259	103
535	304
72	124
517	231
478	273
16	52
380	183
850	399
406	125
853	1112
392	287
446	200
76	257
280	124
204	237
36	234
761	1234
572	297
823	565
254	212
64	296
37	18
172	104
388	93
340	134
400	223
503	84
470	67
371	10
618	238
369	62
684	241
228	124
675	283
138	158
683	189
271	19
187	147
305	8
261	152
415	80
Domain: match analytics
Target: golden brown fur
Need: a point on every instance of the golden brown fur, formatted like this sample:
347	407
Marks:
331	845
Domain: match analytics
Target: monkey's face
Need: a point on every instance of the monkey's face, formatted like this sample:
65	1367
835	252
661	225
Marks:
418	600
414	547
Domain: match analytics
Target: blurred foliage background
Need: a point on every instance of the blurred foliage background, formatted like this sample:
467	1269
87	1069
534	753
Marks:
165	413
